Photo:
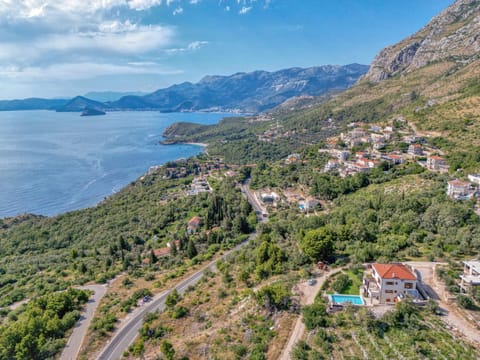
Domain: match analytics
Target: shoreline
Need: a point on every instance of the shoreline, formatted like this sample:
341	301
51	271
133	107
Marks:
195	143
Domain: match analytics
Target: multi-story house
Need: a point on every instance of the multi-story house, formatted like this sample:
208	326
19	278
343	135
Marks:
387	283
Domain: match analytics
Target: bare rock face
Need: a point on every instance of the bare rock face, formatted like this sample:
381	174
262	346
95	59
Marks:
452	35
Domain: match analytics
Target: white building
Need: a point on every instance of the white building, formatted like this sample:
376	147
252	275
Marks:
308	204
460	190
474	178
471	274
388	283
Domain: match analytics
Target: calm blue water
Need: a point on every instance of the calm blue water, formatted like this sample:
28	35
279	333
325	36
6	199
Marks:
55	162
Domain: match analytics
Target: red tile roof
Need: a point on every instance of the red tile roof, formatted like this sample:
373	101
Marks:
194	222
457	182
394	271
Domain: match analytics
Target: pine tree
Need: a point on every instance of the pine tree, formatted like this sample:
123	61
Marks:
191	249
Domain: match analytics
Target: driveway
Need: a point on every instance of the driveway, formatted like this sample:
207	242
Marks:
307	297
453	318
72	349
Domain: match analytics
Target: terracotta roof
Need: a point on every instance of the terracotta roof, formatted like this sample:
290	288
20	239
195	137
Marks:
394	271
457	182
435	157
194	222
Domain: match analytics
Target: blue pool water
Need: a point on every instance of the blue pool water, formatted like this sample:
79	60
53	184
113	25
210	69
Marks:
338	299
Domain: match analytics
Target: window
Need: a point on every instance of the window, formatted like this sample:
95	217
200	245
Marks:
388	291
408	285
389	283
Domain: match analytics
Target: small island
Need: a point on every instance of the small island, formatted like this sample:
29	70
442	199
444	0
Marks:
92	112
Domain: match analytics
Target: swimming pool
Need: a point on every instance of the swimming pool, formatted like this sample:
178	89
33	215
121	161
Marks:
339	299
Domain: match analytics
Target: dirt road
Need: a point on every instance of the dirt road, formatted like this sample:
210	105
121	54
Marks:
454	319
307	296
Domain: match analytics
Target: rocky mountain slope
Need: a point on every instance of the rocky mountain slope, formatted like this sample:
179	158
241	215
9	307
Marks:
246	92
31	104
453	35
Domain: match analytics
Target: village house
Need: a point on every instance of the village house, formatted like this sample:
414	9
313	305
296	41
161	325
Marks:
331	165
474	178
193	225
437	163
270	197
394	159
389	283
415	150
470	276
308	204
292	159
460	190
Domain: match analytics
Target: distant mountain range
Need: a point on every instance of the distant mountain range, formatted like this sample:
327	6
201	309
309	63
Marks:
242	92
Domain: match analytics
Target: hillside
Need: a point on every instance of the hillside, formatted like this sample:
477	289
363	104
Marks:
79	104
431	80
31	104
246	92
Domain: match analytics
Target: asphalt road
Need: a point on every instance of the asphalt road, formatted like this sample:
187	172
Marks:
71	350
128	331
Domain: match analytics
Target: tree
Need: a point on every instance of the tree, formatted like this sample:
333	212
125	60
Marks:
167	350
153	258
173	298
318	244
191	249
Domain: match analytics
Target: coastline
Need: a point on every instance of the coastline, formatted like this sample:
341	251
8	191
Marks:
196	144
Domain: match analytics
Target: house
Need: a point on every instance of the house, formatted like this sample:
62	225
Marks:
332	165
343	155
270	197
308	204
437	163
389	283
460	190
193	225
415	150
393	159
471	275
292	159
474	178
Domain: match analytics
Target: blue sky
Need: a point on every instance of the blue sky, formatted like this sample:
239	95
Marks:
69	47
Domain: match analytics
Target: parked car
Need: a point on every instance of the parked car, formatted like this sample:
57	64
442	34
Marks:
312	281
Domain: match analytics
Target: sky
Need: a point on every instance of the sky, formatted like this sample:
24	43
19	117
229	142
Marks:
63	48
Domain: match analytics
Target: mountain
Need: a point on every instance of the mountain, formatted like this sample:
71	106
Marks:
79	104
104	96
31	104
431	80
453	35
246	92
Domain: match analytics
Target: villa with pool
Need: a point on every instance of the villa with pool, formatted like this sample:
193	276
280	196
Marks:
389	283
382	284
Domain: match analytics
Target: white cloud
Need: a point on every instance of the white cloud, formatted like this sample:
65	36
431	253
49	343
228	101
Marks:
227	8
178	11
140	5
245	10
193	46
77	71
194	2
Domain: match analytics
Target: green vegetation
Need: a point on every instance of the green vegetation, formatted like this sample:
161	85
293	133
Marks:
37	331
406	332
97	243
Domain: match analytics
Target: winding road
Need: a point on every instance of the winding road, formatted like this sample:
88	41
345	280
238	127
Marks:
128	331
72	349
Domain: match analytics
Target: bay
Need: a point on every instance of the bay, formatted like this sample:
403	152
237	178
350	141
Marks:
52	163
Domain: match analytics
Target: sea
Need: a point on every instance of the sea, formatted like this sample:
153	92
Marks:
51	163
